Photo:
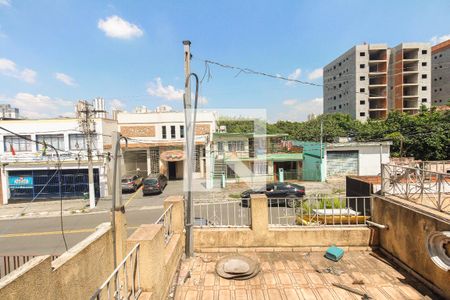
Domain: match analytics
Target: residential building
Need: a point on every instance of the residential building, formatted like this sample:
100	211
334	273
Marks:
29	170
410	77
8	112
440	64
369	80
254	157
156	142
355	158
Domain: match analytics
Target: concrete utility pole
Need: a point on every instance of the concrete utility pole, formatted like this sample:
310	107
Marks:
118	217
189	218
85	116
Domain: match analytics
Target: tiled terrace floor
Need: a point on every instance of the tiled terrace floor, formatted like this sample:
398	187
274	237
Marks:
294	275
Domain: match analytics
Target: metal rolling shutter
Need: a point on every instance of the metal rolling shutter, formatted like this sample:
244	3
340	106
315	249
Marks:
341	163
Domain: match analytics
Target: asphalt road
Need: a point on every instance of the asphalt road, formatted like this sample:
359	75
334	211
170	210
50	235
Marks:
42	235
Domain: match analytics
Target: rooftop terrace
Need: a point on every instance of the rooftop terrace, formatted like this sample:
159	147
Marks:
300	275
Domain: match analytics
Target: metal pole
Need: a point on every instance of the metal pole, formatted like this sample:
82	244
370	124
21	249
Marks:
116	197
189	251
381	156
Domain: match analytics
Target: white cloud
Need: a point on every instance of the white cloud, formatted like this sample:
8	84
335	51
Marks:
28	75
9	68
294	76
5	2
169	92
66	79
315	74
299	110
439	39
289	102
116	27
40	106
117	104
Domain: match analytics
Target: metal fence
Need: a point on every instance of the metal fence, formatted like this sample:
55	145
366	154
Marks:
319	211
125	280
420	186
226	213
166	221
9	263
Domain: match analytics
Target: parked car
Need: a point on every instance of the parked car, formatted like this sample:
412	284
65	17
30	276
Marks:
130	183
154	184
278	193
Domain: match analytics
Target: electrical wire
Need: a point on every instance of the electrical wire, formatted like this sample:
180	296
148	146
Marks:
57	166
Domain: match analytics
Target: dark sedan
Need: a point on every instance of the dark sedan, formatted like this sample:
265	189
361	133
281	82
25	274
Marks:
281	192
154	184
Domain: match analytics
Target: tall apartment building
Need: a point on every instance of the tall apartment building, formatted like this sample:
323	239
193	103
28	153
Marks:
8	112
440	73
369	80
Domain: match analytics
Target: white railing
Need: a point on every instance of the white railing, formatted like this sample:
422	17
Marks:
166	221
125	280
327	210
226	213
420	186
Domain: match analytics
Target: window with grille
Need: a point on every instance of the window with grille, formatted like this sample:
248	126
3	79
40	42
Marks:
172	132
154	160
19	144
234	146
164	132
55	140
198	152
77	142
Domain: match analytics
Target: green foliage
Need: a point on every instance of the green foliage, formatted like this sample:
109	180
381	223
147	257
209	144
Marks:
425	136
323	203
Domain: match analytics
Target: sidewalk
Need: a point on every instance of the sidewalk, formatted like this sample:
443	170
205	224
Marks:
52	208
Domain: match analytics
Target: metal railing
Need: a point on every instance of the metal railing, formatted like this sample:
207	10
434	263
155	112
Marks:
125	280
428	188
319	211
226	213
166	220
9	263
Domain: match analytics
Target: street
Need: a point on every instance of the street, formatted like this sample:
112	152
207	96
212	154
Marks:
42	235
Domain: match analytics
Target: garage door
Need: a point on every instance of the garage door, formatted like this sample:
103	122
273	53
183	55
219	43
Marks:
340	163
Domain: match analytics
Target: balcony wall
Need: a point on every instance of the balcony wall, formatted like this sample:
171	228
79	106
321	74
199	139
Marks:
74	275
409	226
260	235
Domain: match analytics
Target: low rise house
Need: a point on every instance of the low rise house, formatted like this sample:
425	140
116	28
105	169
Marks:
156	142
30	170
254	157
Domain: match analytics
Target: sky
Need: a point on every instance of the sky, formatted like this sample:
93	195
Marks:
53	53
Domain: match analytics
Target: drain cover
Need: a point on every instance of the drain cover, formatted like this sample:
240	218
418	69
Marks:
237	267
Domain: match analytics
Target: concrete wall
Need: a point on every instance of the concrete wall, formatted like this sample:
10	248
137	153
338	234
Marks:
260	235
74	275
159	259
409	227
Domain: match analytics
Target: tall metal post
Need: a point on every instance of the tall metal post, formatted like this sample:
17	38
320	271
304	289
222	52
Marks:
190	138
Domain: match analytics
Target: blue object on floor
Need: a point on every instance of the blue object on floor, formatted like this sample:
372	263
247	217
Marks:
334	253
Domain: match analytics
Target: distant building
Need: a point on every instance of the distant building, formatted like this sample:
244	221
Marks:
8	112
311	116
440	64
156	142
27	168
370	80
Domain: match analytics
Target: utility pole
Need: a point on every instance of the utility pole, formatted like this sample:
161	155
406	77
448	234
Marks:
189	218
321	149
85	116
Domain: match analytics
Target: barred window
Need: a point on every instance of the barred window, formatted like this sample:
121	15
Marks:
19	144
77	142
236	146
56	140
198	156
154	160
260	167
